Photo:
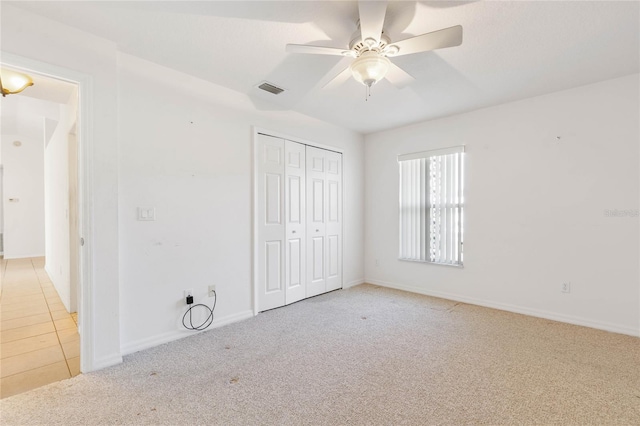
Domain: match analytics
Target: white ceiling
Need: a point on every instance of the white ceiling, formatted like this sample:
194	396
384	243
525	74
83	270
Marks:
511	50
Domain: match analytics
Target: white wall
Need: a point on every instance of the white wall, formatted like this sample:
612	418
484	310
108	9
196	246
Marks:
57	209
534	206
24	181
187	151
47	41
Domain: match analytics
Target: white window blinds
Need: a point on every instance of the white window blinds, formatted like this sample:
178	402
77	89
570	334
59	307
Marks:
431	206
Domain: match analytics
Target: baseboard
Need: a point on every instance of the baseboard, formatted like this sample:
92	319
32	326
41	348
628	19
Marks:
354	283
65	300
569	319
171	336
104	362
23	256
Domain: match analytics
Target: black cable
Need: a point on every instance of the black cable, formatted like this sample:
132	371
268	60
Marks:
206	322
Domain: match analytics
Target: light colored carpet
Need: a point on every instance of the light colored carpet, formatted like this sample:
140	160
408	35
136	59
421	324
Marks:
366	355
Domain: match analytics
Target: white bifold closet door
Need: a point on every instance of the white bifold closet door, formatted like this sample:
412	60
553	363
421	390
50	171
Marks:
295	243
324	228
299	210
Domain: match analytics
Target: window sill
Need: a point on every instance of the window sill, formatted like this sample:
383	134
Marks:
451	265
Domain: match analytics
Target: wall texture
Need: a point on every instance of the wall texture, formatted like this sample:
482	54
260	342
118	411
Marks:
541	174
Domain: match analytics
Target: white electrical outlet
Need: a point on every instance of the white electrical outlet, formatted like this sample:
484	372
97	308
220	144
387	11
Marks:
566	287
377	262
188	292
212	290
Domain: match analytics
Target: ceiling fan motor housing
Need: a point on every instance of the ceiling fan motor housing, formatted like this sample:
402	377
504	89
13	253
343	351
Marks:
358	45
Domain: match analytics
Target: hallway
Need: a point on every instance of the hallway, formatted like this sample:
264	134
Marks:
40	343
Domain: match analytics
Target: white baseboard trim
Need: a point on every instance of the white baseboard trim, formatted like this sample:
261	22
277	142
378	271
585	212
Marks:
354	283
22	256
46	269
65	300
171	336
600	325
104	362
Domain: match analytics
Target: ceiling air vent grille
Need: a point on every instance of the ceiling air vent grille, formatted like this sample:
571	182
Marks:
268	87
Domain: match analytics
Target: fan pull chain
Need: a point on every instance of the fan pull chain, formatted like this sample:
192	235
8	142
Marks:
367	93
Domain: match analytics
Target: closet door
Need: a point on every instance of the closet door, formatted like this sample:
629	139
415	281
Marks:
295	203
270	176
316	221
324	221
299	221
333	251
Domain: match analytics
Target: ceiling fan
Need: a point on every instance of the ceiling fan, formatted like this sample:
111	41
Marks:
371	49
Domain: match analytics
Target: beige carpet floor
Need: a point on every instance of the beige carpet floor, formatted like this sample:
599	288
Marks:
363	356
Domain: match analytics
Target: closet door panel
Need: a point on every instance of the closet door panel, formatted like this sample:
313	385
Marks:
295	194
317	256
333	250
270	212
316	221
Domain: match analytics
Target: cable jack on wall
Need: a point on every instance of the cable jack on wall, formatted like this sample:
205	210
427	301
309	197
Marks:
207	322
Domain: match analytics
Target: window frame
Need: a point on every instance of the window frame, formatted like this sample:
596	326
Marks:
416	206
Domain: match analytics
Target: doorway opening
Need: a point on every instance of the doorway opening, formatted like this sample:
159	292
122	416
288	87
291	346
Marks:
40	228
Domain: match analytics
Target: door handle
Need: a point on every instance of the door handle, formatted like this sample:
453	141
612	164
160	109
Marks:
317	230
293	232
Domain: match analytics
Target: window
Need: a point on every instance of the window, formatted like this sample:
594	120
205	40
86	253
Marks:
432	206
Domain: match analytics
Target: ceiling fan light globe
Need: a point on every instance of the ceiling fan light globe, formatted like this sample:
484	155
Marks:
370	68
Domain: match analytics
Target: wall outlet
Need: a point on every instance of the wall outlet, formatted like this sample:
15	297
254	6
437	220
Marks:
212	290
566	287
377	262
188	292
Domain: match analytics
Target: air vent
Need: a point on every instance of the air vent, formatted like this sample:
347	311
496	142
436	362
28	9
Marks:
268	87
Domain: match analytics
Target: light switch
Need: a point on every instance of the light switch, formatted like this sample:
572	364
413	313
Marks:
146	213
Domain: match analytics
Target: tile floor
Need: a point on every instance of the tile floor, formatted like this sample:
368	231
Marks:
39	340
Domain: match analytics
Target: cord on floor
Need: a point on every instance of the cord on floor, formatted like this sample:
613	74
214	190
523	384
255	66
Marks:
206	323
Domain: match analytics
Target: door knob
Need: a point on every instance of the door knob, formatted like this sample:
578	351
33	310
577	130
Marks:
317	230
293	232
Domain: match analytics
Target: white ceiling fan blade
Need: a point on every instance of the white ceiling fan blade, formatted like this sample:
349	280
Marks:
448	37
398	77
317	50
336	81
371	19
